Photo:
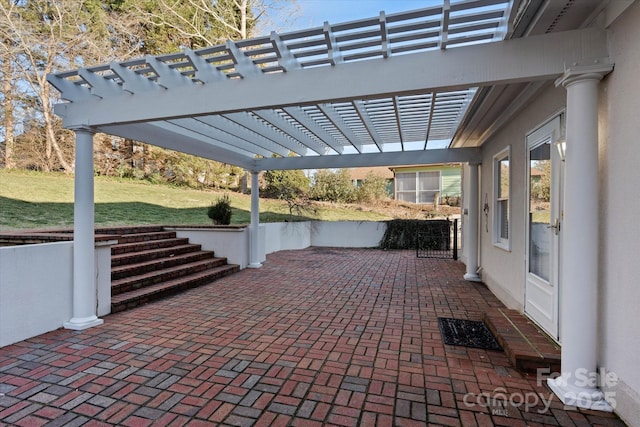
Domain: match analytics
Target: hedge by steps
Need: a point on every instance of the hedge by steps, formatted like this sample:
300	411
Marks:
403	233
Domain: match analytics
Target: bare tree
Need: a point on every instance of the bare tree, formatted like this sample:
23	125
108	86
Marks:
40	32
43	36
175	24
7	107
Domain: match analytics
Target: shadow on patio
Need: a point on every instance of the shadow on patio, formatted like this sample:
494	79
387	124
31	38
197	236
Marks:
315	337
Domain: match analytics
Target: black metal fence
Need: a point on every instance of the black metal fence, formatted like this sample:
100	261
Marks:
440	241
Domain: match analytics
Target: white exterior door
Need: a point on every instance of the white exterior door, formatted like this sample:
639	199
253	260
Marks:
544	222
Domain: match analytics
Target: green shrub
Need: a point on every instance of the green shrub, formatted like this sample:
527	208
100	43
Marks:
286	184
334	187
372	189
220	211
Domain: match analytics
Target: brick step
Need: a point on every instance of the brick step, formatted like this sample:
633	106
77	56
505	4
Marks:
138	268
151	293
145	237
525	344
145	246
151	254
128	284
130	229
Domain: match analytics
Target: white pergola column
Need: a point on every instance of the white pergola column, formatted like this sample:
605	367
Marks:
84	272
254	236
578	383
471	231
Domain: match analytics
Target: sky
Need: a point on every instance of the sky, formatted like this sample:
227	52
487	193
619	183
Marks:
313	13
316	12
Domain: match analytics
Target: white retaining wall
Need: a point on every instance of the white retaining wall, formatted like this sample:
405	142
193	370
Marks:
284	236
233	242
229	242
347	234
36	281
36	288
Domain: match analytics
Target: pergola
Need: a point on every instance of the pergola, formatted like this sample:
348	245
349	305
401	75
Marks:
383	91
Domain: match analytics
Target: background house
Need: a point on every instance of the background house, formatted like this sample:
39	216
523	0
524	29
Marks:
427	184
433	184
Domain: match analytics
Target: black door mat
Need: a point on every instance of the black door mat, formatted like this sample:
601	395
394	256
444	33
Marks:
467	333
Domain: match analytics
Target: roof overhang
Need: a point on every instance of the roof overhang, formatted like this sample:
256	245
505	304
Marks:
382	91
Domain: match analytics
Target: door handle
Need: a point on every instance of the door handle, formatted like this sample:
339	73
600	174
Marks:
555	226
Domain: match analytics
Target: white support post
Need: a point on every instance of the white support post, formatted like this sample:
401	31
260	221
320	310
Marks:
578	383
84	272
254	236
470	245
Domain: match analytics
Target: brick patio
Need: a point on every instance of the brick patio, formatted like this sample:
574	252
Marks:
316	337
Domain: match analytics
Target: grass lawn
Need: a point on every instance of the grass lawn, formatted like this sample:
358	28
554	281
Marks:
45	200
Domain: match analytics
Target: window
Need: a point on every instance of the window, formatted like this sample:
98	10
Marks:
406	187
417	187
501	179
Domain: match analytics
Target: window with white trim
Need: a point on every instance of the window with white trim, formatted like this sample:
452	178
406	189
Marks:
501	191
417	187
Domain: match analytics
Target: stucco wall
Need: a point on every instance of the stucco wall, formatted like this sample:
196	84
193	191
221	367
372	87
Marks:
36	288
347	234
619	293
232	243
504	270
619	235
280	236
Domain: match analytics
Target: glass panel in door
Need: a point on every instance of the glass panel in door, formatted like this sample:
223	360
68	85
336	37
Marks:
540	234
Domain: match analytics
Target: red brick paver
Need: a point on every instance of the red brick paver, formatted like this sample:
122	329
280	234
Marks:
320	336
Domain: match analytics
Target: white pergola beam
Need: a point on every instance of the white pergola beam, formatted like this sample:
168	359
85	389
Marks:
403	158
334	117
255	125
100	87
133	83
285	126
285	58
201	129
167	76
165	138
368	124
533	58
303	118
252	138
204	71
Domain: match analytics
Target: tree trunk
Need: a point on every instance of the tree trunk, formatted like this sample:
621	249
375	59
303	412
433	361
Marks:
52	144
9	140
243	22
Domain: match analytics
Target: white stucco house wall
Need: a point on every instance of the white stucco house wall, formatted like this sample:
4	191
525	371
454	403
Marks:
505	264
